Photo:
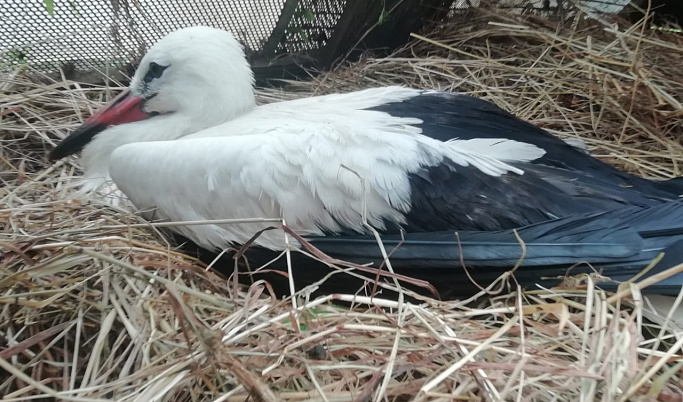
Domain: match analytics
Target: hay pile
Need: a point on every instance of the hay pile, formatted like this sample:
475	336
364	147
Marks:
96	304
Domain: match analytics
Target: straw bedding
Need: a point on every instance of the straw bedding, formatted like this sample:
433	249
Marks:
95	304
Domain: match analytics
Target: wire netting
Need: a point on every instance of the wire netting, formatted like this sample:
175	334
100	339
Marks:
96	34
87	34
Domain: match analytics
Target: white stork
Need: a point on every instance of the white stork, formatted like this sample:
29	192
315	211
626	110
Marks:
188	140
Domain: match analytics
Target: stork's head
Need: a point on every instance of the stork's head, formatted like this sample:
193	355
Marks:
192	79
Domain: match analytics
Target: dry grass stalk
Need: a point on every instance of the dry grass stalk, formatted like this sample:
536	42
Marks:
96	305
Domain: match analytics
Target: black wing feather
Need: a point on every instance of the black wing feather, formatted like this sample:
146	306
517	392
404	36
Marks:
454	197
447	116
611	243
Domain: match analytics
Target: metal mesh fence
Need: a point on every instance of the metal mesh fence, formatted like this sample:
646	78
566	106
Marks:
311	24
87	34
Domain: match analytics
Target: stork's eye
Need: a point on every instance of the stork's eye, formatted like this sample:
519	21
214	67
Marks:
155	70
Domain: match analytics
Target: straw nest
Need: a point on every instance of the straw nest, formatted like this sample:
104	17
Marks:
97	305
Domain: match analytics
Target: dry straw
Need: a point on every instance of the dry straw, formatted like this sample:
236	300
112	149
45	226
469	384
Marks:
97	305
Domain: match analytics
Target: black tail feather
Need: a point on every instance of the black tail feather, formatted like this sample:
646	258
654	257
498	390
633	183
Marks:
617	244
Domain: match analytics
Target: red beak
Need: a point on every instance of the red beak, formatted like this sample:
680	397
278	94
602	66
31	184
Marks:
125	108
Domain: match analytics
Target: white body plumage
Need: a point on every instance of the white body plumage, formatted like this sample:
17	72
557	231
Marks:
304	161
